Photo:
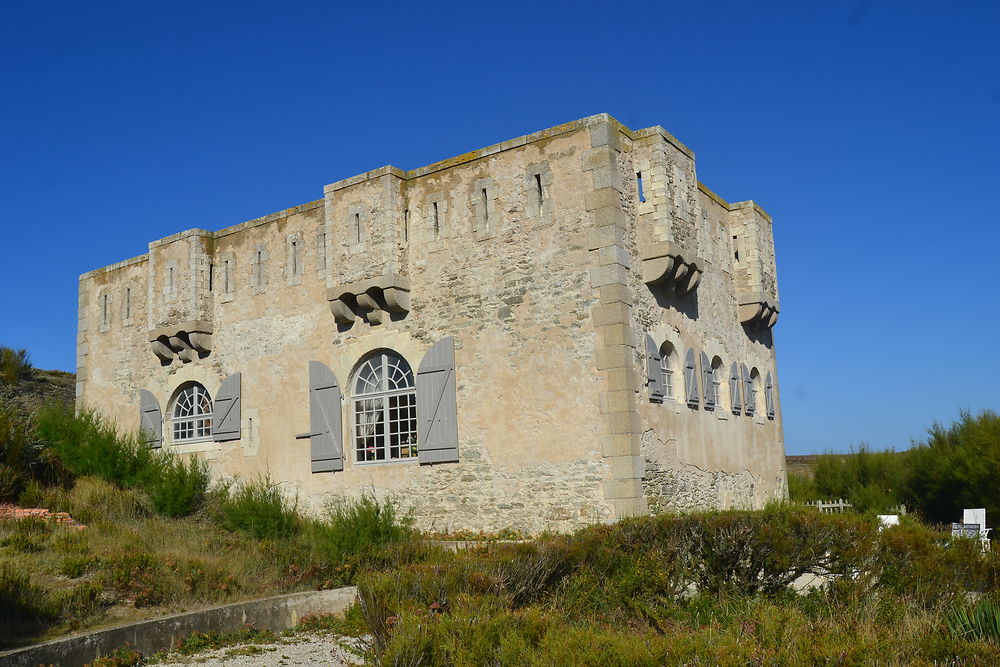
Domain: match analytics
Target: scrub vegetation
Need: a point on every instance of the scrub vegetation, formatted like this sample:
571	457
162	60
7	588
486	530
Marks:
784	585
954	468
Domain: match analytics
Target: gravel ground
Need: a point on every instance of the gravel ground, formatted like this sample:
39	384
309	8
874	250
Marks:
299	649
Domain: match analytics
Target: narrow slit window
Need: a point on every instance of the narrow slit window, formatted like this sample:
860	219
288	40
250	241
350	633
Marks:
259	269
484	199
539	193
638	180
128	303
211	276
105	310
226	270
406	225
295	257
357	228
170	279
436	223
322	251
736	248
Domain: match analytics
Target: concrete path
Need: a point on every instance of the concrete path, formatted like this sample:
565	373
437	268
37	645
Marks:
300	649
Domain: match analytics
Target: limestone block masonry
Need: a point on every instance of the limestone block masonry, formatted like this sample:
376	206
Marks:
561	329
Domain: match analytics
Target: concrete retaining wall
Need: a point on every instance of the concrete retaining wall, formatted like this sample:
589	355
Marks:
274	613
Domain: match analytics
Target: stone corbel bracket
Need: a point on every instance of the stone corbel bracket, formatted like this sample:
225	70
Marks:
369	298
664	264
756	311
184	341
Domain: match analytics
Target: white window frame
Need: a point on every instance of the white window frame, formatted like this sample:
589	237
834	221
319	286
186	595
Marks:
667	372
717	381
196	424
384	394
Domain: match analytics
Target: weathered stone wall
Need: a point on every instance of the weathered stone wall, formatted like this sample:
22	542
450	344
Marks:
528	253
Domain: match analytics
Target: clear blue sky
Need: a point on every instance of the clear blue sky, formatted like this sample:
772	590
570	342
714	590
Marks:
869	130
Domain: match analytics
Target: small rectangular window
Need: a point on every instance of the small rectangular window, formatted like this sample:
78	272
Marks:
105	310
406	225
211	276
484	201
227	267
539	193
295	258
128	303
436	222
357	227
638	179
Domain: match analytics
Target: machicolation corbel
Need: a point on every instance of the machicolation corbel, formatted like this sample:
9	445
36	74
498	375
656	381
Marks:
186	341
663	264
757	312
369	298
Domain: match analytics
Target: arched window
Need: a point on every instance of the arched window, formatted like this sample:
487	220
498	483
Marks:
667	361
385	409
191	413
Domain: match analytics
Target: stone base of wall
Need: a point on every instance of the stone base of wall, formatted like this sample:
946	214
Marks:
673	486
475	495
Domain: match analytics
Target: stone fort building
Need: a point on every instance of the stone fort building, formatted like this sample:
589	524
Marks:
561	329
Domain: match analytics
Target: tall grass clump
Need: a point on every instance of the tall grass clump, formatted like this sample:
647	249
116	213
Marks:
14	365
23	607
257	508
353	527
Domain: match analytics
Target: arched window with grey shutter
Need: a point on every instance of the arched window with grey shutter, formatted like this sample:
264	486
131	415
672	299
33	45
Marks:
769	396
750	400
691	379
707	384
734	388
326	444
150	419
226	414
654	371
437	405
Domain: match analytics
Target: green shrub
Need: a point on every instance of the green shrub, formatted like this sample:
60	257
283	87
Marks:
957	467
88	444
256	508
869	480
354	527
180	488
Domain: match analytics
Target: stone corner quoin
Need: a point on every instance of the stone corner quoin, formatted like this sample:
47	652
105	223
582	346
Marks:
561	329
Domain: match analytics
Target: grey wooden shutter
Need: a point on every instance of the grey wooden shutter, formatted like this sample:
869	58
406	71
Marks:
226	415
437	405
325	409
769	396
735	388
708	382
750	401
654	373
691	379
150	419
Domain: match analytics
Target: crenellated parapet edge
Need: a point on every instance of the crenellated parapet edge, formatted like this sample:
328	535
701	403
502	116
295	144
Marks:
370	298
185	341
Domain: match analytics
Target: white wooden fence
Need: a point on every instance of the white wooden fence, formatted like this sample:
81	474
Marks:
841	505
